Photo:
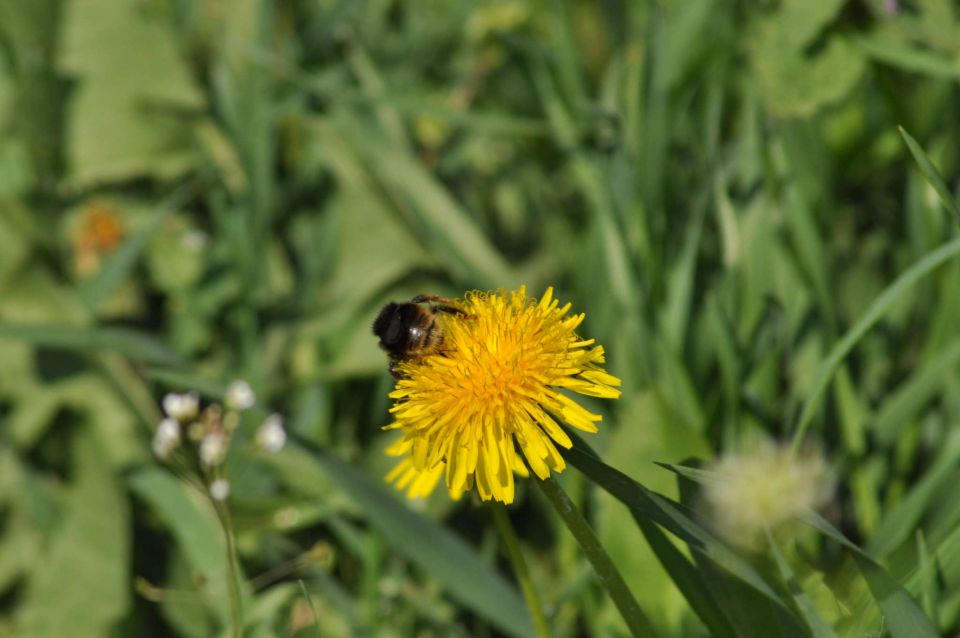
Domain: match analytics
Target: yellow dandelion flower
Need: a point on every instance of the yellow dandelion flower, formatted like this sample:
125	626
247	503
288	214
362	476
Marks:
487	404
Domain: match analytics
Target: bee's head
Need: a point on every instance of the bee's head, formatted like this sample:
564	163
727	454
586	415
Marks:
391	326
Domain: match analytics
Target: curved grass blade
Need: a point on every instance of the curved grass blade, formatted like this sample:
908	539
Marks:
906	400
927	572
874	313
904	517
931	173
688	580
816	622
132	344
903	617
673	517
441	554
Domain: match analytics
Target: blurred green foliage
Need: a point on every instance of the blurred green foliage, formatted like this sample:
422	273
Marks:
197	191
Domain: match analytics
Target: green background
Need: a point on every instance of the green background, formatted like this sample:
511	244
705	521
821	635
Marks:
720	185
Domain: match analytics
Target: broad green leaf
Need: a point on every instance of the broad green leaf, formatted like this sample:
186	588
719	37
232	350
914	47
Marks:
795	82
123	117
441	554
81	587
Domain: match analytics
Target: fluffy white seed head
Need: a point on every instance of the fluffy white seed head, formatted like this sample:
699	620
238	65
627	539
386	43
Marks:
271	436
182	407
166	438
239	396
762	489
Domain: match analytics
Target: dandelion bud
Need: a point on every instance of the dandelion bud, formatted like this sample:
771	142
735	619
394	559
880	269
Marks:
166	438
213	449
239	396
762	489
271	436
220	489
181	407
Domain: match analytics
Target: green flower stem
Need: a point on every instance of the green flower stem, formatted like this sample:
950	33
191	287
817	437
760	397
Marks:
233	575
609	577
520	569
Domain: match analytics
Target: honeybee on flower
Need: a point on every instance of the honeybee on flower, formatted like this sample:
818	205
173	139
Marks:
480	391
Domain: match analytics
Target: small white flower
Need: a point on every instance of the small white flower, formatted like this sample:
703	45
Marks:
220	489
166	438
239	395
271	436
213	449
763	488
181	407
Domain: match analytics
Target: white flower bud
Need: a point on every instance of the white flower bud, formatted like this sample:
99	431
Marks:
271	436
213	449
220	489
239	396
181	407
166	438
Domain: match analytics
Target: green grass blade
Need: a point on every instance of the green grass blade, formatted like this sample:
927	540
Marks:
441	554
905	401
816	622
127	342
670	515
902	519
931	173
909	58
874	313
688	580
927	572
903	617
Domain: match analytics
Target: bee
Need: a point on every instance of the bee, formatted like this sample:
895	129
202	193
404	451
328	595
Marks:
413	329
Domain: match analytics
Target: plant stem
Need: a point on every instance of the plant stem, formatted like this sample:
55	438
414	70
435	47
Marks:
520	569
236	616
606	571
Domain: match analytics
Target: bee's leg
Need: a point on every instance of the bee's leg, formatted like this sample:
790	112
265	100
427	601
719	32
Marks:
442	304
433	299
